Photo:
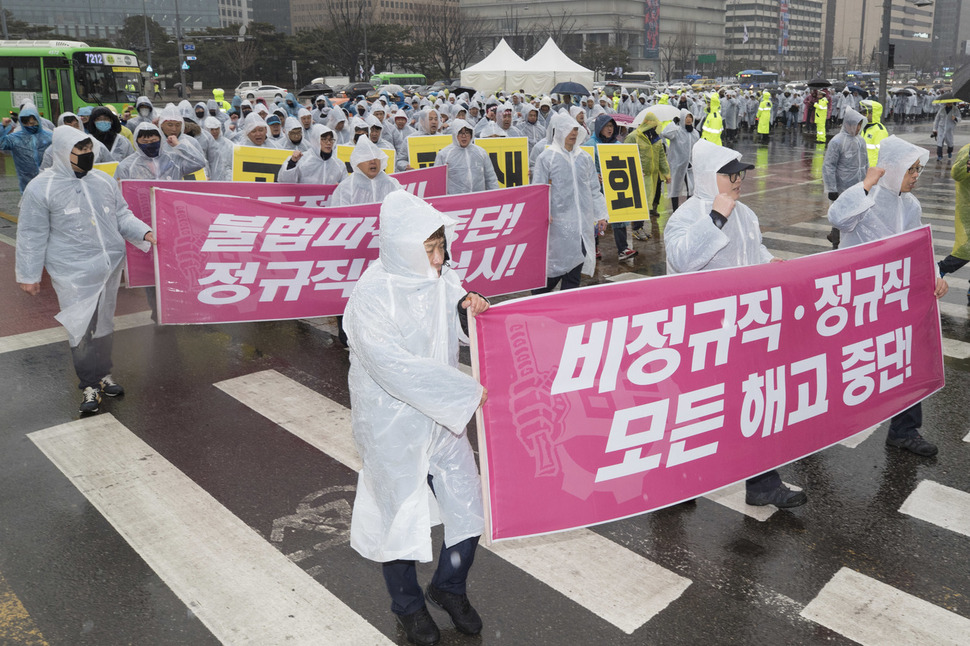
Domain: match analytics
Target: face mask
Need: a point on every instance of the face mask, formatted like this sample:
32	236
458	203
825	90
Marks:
200	114
212	112
144	112
32	129
151	149
85	161
102	126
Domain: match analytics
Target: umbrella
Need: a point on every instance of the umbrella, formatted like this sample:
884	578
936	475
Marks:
358	88
961	83
313	90
391	88
819	82
662	112
858	90
947	98
622	119
568	87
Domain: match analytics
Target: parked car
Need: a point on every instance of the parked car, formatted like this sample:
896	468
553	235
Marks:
246	86
266	92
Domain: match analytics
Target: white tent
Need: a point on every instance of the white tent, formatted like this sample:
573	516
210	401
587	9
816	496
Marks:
550	66
495	71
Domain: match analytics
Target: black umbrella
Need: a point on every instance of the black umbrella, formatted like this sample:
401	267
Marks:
858	90
359	88
568	87
961	83
313	90
819	82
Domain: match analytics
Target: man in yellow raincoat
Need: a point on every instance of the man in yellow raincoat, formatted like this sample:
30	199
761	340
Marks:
653	159
764	116
821	116
961	221
874	132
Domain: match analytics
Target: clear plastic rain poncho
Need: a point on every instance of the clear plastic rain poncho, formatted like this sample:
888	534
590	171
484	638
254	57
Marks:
172	113
885	211
292	123
692	240
410	403
27	147
344	134
846	157
312	168
172	162
254	121
575	200
142	102
76	228
357	188
219	154
423	129
678	155
101	154
961	220
469	169
944	124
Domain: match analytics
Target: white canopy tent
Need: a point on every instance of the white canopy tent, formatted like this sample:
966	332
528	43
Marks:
503	69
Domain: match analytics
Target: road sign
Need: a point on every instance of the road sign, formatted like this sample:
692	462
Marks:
191	58
149	69
189	47
185	65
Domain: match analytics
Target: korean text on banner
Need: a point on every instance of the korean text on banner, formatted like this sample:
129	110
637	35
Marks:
251	164
422	151
140	267
626	195
510	158
221	258
343	154
614	400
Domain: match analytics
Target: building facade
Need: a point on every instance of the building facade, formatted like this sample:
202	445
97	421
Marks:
323	14
782	36
235	12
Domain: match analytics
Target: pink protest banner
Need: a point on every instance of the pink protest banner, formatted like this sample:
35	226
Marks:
229	259
140	267
615	400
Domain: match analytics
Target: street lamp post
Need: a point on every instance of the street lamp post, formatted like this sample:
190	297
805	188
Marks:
148	40
178	41
887	7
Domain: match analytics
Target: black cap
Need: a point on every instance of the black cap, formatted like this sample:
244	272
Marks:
734	166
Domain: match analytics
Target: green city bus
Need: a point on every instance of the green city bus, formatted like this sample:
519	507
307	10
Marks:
64	76
387	78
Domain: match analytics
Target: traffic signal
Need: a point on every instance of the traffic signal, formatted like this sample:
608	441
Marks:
892	56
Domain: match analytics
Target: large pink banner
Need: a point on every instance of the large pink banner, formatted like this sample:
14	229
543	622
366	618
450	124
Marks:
228	259
140	267
615	400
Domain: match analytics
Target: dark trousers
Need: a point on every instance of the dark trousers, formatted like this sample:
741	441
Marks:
619	236
401	577
92	356
764	483
569	280
907	423
951	264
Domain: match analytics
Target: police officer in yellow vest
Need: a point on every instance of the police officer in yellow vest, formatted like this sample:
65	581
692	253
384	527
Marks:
821	115
220	96
764	116
713	123
874	132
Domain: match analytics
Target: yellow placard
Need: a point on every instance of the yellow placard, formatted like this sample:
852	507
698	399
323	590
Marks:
591	150
623	185
344	152
107	167
423	150
197	176
510	158
251	164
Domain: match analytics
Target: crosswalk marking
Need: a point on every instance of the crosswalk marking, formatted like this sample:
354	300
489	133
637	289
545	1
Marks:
243	589
874	614
58	334
941	505
956	349
858	438
629	589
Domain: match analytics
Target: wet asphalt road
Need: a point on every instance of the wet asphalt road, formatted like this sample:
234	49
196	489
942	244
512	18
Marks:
68	577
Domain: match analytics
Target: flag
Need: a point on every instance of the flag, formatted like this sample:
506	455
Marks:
360	69
745	39
372	70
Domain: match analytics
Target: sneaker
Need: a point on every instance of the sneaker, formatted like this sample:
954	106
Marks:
111	388
599	254
627	254
465	617
90	400
420	627
641	234
916	444
781	497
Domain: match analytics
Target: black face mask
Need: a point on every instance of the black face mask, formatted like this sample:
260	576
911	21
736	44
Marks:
85	161
689	128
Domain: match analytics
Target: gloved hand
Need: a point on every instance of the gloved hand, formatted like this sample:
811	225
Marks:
833	195
677	120
933	136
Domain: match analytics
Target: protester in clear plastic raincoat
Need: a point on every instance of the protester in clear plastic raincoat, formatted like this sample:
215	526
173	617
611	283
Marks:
882	205
74	222
409	407
714	230
101	154
681	135
318	165
104	126
846	161
219	154
27	144
158	157
146	113
368	183
945	123
577	208
337	121
469	168
427	123
960	254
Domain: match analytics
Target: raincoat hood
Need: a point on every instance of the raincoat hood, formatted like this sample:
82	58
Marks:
292	123
851	119
364	151
146	126
171	113
562	124
456	126
876	108
64	140
650	120
714	102
29	111
895	157
64	115
318	130
406	222
708	158
219	94
599	123
144	101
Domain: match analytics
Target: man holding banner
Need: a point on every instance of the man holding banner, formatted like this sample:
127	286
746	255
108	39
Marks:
410	404
714	230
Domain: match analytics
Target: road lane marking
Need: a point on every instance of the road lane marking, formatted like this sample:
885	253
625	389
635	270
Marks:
941	505
874	614
16	624
57	334
8	240
956	349
607	579
242	588
859	438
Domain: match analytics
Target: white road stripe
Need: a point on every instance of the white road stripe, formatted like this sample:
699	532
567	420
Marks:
826	227
875	614
788	237
616	584
941	505
956	349
8	240
858	438
57	334
242	588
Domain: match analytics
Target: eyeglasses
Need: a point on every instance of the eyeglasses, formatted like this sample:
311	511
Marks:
915	170
734	177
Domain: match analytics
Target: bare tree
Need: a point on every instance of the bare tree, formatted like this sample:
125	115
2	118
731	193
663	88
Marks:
239	56
448	36
562	29
677	51
346	23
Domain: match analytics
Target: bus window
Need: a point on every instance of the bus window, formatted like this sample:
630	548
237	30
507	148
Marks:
98	81
20	75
